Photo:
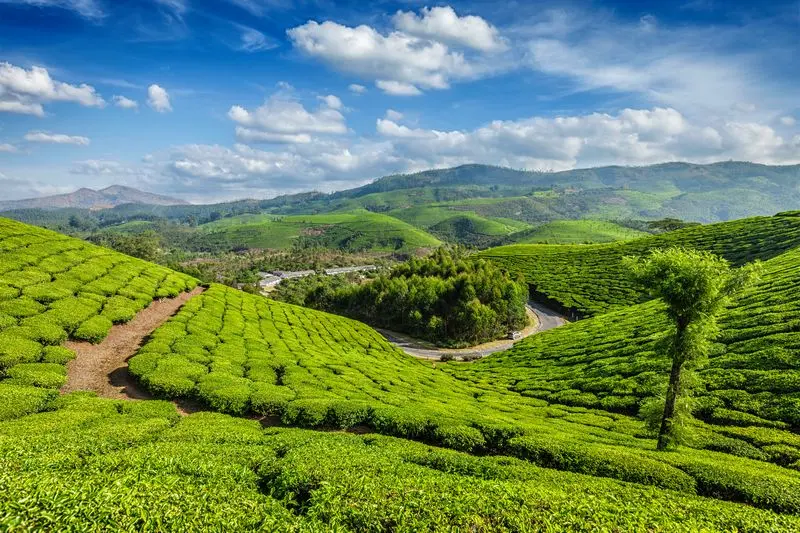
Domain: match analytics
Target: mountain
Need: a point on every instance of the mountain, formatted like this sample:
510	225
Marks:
91	199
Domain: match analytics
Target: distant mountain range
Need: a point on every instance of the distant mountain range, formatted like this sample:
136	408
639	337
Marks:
91	199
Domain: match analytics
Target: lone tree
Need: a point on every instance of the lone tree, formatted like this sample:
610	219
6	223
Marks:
695	286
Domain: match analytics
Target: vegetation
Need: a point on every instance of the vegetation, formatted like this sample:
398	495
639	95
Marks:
591	279
443	298
695	286
545	436
577	232
53	287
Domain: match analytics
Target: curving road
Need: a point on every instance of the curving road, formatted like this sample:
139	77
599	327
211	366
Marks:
545	317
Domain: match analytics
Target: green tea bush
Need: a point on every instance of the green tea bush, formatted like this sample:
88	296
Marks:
15	350
57	354
45	375
224	392
93	330
20	400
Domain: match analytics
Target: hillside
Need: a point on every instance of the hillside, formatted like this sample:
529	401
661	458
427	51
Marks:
354	231
589	279
577	232
751	384
112	196
491	451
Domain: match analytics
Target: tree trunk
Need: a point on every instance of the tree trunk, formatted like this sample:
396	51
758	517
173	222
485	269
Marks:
665	433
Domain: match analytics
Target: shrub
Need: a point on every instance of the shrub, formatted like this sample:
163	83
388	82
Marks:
45	375
93	330
225	393
270	400
21	307
19	400
119	309
599	460
347	414
459	437
15	350
44	330
306	413
57	354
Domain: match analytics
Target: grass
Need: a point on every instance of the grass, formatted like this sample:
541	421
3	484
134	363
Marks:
577	232
590	278
356	230
426	217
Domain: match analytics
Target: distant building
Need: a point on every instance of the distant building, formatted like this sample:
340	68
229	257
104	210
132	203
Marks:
346	270
268	281
296	274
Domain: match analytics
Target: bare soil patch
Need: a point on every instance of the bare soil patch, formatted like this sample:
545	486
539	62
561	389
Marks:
103	367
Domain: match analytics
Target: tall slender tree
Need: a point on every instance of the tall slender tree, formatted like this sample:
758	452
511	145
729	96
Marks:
695	286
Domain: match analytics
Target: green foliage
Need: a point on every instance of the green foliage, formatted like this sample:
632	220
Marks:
93	330
592	279
576	232
18	400
443	298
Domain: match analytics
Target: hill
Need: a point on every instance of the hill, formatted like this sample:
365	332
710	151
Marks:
577	232
354	231
589	279
91	199
483	432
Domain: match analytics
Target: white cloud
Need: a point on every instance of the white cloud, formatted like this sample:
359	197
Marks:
100	167
332	101
252	40
56	138
8	148
282	119
158	99
397	88
26	90
125	103
356	88
692	68
401	62
391	114
788	120
89	9
444	25
178	7
249	135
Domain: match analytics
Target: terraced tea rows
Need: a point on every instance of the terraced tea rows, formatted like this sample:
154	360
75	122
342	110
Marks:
52	288
138	466
751	384
590	278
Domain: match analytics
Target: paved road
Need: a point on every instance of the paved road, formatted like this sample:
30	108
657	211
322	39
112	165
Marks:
547	319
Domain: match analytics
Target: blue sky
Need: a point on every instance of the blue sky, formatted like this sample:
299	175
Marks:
216	100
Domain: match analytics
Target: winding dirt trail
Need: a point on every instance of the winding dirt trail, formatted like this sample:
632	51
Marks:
103	367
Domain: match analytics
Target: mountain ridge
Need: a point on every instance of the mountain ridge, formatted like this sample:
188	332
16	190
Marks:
86	198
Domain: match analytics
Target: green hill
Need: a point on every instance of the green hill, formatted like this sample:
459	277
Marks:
590	278
577	232
355	230
483	447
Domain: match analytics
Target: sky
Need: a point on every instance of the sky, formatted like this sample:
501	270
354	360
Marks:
218	100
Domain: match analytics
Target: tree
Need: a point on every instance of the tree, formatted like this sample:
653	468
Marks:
695	286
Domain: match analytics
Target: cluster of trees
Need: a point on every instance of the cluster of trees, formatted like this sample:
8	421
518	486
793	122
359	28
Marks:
443	298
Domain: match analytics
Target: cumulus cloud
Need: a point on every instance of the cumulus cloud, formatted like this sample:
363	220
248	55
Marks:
89	9
125	103
356	88
332	101
391	114
26	90
101	167
7	148
284	120
444	25
56	138
158	99
401	63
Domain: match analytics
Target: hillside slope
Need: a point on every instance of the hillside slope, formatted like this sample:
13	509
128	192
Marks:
590	279
91	199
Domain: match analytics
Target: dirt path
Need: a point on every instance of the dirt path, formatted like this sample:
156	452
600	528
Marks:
103	368
542	319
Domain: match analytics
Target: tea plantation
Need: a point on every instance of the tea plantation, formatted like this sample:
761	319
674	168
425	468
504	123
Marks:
354	435
54	287
590	278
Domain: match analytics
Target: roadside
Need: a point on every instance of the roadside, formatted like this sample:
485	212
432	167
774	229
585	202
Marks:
541	319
